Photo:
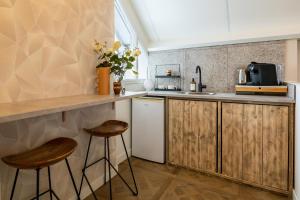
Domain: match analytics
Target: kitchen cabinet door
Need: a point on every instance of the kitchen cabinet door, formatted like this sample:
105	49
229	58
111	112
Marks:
252	143
255	144
175	137
242	141
196	124
200	130
232	139
206	126
275	146
190	134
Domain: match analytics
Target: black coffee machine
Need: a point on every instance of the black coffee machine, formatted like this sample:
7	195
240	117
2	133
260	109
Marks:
261	74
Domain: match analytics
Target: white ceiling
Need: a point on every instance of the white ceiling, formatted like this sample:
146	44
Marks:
171	24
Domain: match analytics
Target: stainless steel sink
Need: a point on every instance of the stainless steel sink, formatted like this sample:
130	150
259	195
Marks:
198	93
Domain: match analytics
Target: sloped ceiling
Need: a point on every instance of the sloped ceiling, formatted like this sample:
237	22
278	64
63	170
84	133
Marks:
185	23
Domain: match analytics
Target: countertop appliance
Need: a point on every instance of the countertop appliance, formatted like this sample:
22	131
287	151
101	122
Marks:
242	77
261	74
261	79
148	128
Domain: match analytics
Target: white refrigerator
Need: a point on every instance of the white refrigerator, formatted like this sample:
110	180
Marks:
148	128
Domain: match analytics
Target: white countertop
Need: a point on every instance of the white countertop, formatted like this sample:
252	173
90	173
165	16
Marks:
27	109
226	96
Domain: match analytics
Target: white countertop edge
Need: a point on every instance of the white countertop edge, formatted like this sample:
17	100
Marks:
34	108
227	97
64	108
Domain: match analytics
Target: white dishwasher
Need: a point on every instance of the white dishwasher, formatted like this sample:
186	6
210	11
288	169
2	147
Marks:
148	128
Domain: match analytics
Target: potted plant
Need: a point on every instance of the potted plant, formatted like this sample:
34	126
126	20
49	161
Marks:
118	61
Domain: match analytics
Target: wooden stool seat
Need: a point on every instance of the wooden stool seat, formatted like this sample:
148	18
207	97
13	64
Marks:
109	129
44	155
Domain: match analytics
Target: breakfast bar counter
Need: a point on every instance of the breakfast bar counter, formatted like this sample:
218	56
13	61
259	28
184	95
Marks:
27	109
28	124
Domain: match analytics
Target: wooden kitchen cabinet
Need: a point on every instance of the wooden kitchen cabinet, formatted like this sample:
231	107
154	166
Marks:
193	134
232	137
275	146
176	122
255	144
252	143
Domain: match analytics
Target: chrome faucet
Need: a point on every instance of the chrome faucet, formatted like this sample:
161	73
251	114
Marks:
200	85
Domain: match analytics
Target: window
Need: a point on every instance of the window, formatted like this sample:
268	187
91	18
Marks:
142	62
125	33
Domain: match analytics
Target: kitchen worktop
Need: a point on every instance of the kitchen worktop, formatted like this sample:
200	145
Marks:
225	97
27	109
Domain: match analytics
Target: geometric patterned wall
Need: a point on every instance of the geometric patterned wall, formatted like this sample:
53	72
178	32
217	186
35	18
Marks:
46	46
46	51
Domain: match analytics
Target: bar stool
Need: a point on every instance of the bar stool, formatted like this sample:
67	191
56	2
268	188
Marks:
43	156
106	130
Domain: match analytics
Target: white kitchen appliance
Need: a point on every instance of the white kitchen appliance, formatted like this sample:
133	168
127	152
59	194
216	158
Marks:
148	128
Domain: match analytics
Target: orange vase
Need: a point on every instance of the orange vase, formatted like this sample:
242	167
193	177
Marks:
103	76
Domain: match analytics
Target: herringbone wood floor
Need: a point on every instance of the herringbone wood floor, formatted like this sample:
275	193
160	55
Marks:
163	182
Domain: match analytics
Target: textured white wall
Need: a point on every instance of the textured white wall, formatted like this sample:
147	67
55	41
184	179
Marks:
46	51
46	46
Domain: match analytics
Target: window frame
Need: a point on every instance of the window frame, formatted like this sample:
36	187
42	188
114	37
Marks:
134	38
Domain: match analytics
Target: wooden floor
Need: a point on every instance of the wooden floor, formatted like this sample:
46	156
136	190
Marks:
162	182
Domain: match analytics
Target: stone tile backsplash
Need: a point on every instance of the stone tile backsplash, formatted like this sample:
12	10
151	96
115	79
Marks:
219	64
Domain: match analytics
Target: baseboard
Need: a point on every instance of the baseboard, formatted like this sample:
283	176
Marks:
122	156
295	197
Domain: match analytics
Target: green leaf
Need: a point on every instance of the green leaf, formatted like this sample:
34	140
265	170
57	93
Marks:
135	72
131	59
114	58
130	64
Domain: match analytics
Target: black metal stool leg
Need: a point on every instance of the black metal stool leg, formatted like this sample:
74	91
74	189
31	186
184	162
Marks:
55	195
38	183
83	171
93	193
90	186
14	185
109	169
72	178
50	185
136	189
124	181
85	163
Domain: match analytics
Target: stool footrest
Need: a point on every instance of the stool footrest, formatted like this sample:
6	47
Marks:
47	191
93	163
113	167
106	158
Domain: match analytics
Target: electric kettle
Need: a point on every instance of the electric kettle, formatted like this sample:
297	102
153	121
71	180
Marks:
242	77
